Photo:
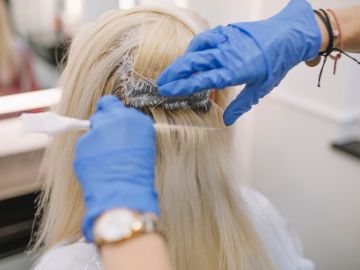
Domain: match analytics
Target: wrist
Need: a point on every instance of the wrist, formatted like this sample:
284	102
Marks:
325	32
122	195
350	27
121	224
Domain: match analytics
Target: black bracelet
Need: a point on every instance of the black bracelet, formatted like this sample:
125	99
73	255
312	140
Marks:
326	19
330	48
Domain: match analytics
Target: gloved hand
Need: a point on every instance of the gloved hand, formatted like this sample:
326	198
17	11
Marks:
115	162
258	54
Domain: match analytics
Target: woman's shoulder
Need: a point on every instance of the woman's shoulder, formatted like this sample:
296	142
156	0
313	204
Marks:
276	232
259	206
76	256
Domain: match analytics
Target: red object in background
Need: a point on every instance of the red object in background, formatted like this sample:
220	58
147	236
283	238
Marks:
24	80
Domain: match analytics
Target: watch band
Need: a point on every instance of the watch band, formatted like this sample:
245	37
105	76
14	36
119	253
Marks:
119	225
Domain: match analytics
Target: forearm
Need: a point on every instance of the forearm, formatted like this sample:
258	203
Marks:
146	252
349	20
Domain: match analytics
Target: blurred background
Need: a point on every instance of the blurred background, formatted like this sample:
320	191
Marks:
301	147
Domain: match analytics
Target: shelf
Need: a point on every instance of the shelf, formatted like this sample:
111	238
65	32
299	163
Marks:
350	147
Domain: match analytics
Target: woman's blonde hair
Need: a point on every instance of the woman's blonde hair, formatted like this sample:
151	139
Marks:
8	58
203	216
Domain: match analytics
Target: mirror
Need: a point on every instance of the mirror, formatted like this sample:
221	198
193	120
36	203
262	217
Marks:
34	40
35	36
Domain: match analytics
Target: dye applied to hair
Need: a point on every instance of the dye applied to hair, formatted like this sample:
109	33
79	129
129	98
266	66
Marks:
140	92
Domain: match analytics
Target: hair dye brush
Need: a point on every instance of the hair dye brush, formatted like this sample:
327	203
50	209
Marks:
51	123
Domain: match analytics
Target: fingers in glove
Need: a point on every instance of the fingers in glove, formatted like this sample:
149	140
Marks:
212	79
109	102
242	103
207	40
190	63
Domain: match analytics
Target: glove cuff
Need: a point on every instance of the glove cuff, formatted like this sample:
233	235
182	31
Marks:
304	28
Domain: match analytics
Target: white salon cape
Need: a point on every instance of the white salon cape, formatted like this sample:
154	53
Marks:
281	242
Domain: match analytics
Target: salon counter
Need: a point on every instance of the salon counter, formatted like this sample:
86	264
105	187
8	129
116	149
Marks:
21	153
14	141
20	156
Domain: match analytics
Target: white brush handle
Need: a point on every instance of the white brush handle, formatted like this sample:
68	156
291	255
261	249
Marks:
51	123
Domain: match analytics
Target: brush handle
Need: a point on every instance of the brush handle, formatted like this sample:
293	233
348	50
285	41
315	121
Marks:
52	124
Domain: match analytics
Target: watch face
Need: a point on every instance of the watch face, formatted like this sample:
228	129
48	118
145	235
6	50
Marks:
115	225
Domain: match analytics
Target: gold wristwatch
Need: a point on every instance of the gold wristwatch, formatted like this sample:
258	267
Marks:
118	225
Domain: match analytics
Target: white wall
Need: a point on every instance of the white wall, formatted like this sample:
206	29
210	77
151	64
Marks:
37	16
312	185
33	16
285	144
94	8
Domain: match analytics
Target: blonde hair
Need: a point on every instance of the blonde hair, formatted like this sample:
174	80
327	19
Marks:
8	58
203	216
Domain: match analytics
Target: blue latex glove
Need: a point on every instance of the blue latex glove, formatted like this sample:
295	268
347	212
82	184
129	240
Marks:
258	54
115	162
